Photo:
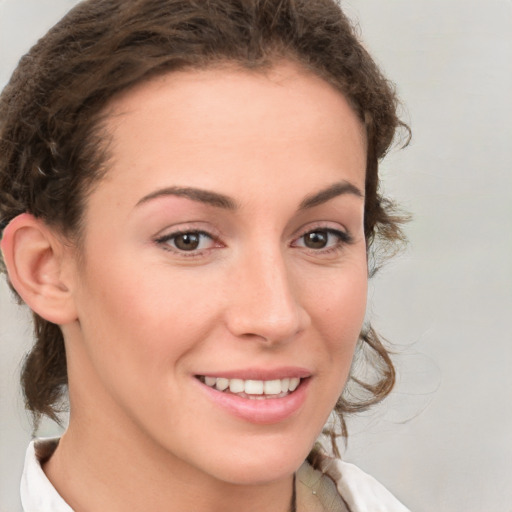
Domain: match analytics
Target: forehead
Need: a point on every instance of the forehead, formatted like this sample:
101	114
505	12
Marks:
206	127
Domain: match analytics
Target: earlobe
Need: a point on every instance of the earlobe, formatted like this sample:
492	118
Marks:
35	259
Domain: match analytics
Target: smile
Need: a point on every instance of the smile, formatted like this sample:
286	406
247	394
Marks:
253	389
261	396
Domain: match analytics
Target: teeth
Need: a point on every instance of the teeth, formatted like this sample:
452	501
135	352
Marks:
236	385
210	381
272	387
256	388
221	384
294	382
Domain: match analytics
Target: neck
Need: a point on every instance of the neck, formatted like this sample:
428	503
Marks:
109	471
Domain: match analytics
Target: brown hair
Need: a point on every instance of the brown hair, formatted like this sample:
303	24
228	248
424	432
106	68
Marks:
50	113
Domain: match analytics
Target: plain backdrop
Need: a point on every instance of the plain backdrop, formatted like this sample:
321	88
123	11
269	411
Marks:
443	440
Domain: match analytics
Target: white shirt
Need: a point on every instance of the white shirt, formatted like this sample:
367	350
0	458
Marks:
361	492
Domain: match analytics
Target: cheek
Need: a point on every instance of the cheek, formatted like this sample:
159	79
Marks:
337	311
144	319
338	303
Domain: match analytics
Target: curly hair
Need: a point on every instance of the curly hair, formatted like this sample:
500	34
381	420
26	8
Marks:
51	151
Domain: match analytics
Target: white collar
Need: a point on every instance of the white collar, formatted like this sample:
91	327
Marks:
362	492
37	492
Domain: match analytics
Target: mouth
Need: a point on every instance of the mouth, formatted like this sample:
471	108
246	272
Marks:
257	399
253	389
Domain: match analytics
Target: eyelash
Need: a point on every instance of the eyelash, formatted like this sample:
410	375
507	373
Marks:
343	238
165	240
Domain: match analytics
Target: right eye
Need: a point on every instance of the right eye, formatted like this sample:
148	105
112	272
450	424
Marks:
187	241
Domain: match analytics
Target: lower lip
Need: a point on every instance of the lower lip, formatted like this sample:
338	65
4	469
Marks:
265	411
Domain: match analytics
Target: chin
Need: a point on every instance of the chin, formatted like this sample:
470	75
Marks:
261	466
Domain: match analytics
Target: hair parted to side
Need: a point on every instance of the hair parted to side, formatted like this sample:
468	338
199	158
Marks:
52	151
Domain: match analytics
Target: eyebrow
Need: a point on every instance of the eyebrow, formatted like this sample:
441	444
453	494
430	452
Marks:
196	194
337	189
227	203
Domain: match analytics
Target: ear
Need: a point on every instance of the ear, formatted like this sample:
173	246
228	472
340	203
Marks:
36	261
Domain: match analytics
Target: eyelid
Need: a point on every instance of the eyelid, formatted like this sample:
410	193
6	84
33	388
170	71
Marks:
192	226
331	227
171	233
344	237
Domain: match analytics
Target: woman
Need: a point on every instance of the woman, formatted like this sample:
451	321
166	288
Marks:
189	203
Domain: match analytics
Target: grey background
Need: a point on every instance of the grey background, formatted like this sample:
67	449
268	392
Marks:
443	441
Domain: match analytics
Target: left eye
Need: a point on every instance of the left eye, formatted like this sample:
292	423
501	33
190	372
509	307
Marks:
322	239
188	241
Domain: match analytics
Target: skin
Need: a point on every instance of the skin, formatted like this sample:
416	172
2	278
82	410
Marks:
150	318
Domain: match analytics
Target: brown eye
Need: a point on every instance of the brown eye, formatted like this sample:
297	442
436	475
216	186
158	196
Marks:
316	239
323	239
187	241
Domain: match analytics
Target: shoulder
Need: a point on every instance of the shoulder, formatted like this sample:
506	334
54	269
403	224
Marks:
359	492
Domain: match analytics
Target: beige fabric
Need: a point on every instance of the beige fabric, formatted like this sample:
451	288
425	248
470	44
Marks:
341	487
317	492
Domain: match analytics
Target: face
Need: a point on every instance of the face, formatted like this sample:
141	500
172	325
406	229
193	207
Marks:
223	282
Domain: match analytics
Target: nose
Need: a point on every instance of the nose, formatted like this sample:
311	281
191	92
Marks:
264	301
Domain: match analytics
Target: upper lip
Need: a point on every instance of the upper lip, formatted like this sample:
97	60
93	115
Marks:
284	372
